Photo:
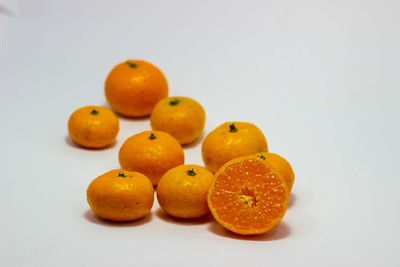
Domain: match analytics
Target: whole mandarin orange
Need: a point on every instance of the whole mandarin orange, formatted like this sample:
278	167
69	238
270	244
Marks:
181	117
121	195
93	126
231	140
281	165
133	87
182	191
152	153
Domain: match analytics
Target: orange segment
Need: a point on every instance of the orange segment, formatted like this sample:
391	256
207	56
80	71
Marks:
248	196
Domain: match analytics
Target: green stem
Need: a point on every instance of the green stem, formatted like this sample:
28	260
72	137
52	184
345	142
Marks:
121	174
94	112
261	156
174	102
152	136
191	172
131	64
232	128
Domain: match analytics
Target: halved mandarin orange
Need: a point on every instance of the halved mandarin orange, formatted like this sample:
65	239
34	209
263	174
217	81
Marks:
248	196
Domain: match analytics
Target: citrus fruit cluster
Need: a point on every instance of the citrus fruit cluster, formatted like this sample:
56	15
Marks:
244	187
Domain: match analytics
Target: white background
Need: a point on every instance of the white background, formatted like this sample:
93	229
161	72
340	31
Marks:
320	78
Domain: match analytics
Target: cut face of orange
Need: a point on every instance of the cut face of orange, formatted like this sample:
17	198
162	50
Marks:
248	196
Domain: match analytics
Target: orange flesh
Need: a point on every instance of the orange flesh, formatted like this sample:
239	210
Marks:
248	197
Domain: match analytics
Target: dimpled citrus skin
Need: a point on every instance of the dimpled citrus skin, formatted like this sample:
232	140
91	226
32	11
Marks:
224	143
93	126
281	165
182	191
121	195
248	196
152	153
133	87
181	117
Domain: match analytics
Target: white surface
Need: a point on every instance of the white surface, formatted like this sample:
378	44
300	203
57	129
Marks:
320	78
